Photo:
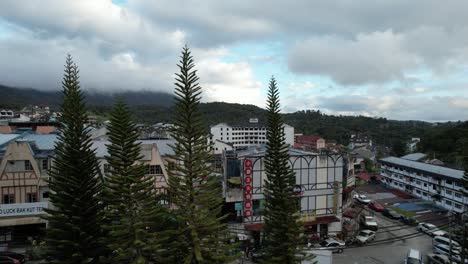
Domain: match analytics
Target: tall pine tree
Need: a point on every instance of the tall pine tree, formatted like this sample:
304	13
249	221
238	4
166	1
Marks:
202	236
132	209
282	230
74	228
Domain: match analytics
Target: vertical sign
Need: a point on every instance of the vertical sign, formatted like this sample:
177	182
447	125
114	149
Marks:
336	186
247	188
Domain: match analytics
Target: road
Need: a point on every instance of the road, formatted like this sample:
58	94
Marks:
389	253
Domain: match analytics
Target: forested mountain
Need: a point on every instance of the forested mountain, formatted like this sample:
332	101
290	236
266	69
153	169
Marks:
446	144
151	107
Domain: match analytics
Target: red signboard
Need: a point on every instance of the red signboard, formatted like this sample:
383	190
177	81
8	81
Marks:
248	171
247	213
248	188
248	196
248	163
248	180
248	204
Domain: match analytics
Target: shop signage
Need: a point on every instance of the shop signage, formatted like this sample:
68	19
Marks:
247	188
307	217
22	209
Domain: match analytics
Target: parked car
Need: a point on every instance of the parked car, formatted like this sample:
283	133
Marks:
440	240
376	206
365	236
444	249
438	259
335	245
21	257
368	222
257	255
362	198
408	220
8	260
430	229
413	257
391	214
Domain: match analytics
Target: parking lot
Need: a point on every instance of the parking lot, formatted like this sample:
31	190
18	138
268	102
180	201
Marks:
393	239
392	252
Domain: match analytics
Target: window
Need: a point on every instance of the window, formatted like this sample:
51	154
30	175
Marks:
8	198
227	130
425	184
221	130
448	192
418	182
449	182
418	191
45	195
447	202
31	197
27	165
227	133
221	133
45	164
458	195
458	184
154	169
458	206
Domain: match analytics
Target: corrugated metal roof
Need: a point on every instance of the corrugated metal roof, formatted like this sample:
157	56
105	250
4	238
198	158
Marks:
414	156
5	138
261	150
444	171
43	142
162	144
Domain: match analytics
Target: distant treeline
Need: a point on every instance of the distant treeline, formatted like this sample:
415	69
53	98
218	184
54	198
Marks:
151	107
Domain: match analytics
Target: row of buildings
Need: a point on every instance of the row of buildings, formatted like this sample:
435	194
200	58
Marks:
322	175
26	159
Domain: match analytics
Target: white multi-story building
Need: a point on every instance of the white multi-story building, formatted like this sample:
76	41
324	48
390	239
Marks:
431	182
249	134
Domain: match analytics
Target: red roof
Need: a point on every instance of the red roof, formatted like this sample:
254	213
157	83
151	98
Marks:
367	176
307	139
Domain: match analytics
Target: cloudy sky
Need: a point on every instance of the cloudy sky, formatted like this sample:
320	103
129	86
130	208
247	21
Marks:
398	59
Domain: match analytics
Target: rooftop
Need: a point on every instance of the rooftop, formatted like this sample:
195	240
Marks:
414	156
162	144
443	171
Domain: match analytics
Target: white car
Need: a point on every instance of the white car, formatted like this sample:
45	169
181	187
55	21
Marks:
362	198
430	229
335	245
440	240
365	236
438	259
444	250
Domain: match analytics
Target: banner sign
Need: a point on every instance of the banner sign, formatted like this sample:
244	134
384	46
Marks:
22	209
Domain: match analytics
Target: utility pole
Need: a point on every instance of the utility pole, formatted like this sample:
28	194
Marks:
450	236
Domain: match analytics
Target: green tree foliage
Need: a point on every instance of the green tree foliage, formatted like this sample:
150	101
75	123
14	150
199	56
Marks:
398	148
445	141
132	210
74	220
369	165
282	228
202	235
